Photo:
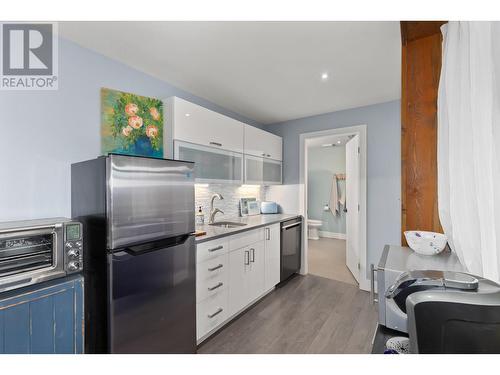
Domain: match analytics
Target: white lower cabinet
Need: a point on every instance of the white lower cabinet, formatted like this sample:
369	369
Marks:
234	272
272	235
211	313
257	271
239	279
246	276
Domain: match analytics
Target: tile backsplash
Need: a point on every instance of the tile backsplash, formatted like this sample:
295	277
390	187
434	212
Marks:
231	193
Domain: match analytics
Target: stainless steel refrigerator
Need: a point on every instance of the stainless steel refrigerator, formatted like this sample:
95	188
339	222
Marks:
140	279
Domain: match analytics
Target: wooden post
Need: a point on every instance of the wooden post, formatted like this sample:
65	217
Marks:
421	68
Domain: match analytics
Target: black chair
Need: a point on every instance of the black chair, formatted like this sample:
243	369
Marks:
466	322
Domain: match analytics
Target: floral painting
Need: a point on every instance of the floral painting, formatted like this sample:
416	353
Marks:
131	124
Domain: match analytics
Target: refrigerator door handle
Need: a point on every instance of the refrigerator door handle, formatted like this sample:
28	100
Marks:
156	245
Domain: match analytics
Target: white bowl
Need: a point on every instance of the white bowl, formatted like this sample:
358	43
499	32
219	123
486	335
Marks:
426	243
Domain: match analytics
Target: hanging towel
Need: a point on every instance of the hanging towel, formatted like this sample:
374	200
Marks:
342	194
334	196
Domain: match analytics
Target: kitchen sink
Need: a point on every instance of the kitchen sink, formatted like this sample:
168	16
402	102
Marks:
227	224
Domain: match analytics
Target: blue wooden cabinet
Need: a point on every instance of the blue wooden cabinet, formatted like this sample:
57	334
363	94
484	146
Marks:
47	318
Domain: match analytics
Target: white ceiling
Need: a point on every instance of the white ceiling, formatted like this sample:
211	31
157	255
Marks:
266	71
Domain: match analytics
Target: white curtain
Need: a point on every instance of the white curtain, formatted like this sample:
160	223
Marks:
469	144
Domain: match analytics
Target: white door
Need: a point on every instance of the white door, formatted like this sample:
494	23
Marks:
239	279
352	206
256	285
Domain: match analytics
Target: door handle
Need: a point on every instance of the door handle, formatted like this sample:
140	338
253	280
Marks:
291	225
268	234
217	312
220	247
247	257
210	288
216	267
372	283
216	144
252	252
135	250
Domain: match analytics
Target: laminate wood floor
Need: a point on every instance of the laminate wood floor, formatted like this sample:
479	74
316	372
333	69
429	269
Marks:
309	314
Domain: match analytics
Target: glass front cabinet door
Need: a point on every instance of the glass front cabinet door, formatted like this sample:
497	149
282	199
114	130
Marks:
262	171
212	165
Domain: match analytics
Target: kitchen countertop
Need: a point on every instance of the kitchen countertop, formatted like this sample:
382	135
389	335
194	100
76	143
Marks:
252	222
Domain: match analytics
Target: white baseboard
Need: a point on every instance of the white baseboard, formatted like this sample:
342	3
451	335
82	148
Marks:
339	236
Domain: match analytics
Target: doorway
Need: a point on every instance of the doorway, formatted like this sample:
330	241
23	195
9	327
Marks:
333	174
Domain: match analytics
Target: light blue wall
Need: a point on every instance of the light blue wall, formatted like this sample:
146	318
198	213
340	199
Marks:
322	164
43	132
383	164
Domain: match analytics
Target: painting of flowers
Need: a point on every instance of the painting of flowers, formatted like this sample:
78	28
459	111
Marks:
131	124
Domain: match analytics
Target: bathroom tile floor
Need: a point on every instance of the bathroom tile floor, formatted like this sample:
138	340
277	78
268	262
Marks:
327	259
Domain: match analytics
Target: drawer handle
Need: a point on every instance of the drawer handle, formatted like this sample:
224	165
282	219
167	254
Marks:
220	247
210	288
263	154
268	155
216	144
268	234
219	310
247	257
252	252
215	268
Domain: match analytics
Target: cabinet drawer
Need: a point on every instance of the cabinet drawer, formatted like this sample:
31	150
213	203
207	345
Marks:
238	241
212	268
211	313
209	283
211	249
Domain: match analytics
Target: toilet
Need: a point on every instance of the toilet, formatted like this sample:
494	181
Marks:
313	228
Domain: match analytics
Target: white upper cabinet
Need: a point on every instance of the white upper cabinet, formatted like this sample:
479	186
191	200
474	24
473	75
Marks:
196	124
263	144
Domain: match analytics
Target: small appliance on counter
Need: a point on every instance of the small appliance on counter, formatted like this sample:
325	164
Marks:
34	251
139	223
268	207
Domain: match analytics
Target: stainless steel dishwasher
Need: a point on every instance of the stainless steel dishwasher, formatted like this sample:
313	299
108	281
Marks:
291	247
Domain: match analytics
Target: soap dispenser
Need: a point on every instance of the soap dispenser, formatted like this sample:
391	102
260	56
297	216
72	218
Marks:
200	217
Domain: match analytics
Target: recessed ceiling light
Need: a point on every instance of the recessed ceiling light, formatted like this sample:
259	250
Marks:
187	115
339	142
324	76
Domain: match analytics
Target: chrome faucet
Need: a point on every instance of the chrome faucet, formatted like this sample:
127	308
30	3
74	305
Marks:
214	211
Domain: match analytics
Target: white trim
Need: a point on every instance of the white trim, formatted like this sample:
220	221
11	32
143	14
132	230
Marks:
364	281
338	236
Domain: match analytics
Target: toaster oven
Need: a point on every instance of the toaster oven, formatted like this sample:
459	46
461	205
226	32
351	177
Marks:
34	251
